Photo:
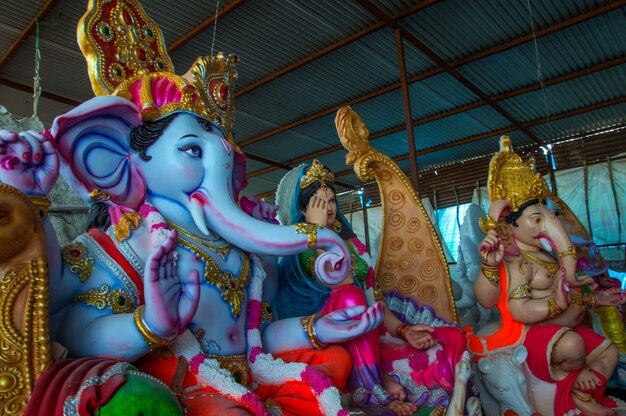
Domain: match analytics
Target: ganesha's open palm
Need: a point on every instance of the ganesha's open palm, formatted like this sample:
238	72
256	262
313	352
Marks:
339	326
28	161
171	300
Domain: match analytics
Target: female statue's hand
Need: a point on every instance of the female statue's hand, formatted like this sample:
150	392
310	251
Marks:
171	302
338	326
491	249
316	211
614	296
28	161
419	337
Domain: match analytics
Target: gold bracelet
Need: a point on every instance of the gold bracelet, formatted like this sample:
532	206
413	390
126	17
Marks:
491	273
310	230
571	251
41	204
554	310
308	324
584	300
152	339
401	330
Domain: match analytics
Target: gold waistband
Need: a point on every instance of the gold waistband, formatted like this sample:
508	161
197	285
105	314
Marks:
236	365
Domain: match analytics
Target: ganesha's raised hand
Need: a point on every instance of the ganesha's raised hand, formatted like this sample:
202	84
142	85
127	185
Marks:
339	326
491	249
171	301
28	161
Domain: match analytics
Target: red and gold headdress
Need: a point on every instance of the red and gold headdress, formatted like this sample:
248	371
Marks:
317	172
513	180
126	57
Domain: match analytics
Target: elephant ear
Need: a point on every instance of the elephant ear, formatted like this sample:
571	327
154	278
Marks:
92	141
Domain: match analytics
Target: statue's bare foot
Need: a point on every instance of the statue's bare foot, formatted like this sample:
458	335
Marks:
402	408
589	406
587	381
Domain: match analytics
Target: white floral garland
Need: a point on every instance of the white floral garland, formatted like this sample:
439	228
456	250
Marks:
265	368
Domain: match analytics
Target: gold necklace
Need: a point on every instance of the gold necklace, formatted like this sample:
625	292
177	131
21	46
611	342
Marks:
552	268
222	251
232	288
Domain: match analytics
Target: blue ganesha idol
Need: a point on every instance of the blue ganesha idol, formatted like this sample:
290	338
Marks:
173	281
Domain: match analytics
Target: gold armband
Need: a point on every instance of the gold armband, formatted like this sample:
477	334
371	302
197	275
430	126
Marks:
491	273
41	204
152	339
310	230
584	300
401	330
554	310
308	324
571	251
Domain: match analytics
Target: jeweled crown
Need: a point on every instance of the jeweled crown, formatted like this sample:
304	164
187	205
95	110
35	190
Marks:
126	57
317	172
513	180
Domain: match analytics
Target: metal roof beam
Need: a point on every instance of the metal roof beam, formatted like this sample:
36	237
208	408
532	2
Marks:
505	130
333	47
230	7
426	50
418	122
42	13
44	94
507	45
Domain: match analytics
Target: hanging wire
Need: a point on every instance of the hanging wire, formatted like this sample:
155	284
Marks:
217	7
36	78
539	68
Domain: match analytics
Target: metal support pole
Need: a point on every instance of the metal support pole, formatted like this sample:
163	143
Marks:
586	188
406	99
551	172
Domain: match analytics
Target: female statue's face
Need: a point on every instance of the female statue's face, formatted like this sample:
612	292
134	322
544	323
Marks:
317	213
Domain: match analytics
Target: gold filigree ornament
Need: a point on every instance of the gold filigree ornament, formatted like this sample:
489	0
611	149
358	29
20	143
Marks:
127	57
317	172
98	195
487	224
129	221
232	288
513	180
310	230
118	300
266	312
236	365
24	343
77	257
521	292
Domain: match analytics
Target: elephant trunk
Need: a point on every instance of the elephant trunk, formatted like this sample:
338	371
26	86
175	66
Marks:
218	212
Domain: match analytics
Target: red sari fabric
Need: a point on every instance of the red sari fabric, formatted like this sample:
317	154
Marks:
65	378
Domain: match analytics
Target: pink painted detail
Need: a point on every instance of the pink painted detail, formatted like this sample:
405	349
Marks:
360	247
227	165
46	133
343	412
370	278
37	157
159	226
316	379
145	210
224	92
254	352
9	163
200	197
227	146
127	19
26	156
194	363
254	403
141	54
254	314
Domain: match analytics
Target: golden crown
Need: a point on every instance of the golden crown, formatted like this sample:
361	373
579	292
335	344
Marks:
513	180
317	172
126	57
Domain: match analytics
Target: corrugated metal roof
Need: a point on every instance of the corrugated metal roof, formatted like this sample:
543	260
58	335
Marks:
494	36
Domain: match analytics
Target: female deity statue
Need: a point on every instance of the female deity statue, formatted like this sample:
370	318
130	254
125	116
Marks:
414	363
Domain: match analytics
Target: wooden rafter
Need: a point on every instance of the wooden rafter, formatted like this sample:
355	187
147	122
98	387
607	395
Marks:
479	137
42	13
472	58
229	8
418	122
333	47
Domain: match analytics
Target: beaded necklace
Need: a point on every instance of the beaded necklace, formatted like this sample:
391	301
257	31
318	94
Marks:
222	251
